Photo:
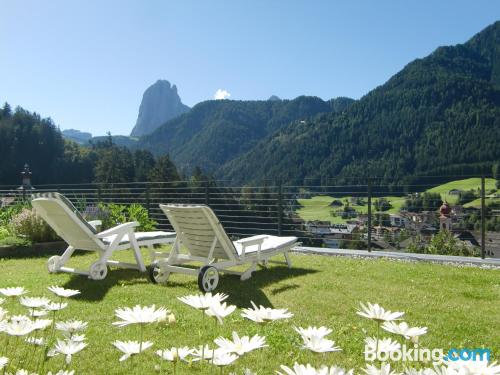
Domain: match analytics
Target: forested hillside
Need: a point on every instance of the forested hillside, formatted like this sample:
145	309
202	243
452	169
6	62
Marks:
216	131
25	137
440	114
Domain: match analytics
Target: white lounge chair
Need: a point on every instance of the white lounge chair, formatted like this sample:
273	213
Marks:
79	234
206	241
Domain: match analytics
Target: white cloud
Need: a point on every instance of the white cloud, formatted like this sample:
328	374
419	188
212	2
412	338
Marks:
221	94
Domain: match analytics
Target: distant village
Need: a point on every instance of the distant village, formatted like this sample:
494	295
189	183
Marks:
396	232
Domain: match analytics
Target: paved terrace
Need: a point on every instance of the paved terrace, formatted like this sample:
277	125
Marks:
489	262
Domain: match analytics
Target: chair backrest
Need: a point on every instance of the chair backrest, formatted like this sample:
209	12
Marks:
66	221
196	227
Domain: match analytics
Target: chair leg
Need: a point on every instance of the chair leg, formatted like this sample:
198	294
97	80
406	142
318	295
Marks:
248	273
66	255
152	254
287	258
137	252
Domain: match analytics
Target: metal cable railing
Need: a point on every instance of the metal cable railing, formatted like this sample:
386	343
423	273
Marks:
364	215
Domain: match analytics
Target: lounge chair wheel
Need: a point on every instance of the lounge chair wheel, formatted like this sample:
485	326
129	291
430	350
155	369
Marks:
208	278
98	271
157	275
53	263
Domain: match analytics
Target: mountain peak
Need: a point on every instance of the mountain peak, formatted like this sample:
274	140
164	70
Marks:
160	103
274	98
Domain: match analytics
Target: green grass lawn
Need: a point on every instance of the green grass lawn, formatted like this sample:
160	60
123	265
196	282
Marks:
459	305
467	184
318	207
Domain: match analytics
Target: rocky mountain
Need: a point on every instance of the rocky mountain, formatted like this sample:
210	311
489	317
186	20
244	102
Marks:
439	115
217	131
160	103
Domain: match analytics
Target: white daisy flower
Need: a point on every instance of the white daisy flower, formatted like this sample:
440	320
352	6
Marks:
20	327
333	370
241	345
385	345
3	362
62	372
64	293
130	348
262	314
203	301
175	354
34	302
404	330
220	310
67	348
56	306
71	326
298	370
140	315
309	332
320	344
474	367
378	313
13	292
384	369
37	341
223	359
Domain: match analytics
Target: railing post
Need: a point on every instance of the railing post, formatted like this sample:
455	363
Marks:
148	200
99	194
369	224
207	194
280	209
483	218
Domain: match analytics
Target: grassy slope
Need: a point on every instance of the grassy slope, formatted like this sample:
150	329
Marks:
459	305
467	184
317	208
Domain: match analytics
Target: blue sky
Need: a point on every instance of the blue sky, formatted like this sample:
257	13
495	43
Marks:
87	63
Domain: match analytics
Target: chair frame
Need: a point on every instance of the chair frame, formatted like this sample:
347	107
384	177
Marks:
174	261
99	269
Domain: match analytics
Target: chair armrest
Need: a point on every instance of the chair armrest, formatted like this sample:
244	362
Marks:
245	242
119	229
95	223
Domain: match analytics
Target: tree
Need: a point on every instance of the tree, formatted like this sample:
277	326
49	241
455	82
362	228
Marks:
6	110
382	204
164	170
114	164
144	162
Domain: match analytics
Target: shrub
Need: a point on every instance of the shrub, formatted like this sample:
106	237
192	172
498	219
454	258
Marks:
444	243
382	204
113	214
7	213
29	225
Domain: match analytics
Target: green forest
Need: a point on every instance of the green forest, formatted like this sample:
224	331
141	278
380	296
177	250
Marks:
438	116
25	137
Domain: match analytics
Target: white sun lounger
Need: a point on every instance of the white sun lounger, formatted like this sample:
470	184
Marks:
206	241
79	234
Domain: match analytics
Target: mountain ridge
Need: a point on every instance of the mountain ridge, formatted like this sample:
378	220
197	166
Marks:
438	113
